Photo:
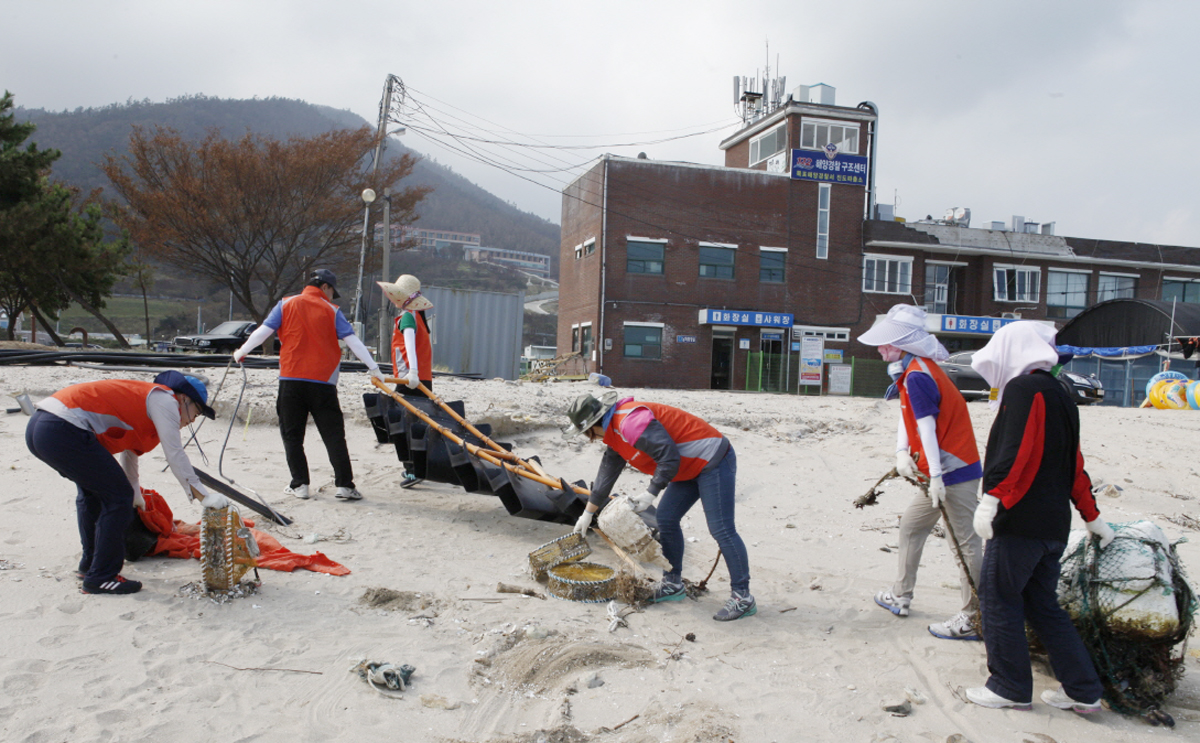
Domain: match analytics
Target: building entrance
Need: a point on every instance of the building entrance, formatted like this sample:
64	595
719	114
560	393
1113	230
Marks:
722	360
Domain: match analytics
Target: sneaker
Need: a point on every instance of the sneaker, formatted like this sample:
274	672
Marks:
349	494
957	627
667	591
116	585
1059	698
985	697
409	480
300	491
896	605
736	607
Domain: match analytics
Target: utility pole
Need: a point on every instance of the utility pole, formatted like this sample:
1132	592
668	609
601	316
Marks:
392	86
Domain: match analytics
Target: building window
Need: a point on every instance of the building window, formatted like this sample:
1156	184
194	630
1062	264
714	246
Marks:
829	334
578	251
941	286
643	341
644	257
771	262
823	190
815	134
1066	293
589	246
1181	290
575	338
1112	286
716	263
885	275
585	340
771	143
1012	284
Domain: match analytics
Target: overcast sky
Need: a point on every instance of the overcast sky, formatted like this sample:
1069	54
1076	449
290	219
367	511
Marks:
1072	111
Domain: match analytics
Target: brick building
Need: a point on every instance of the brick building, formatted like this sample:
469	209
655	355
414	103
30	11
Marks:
709	277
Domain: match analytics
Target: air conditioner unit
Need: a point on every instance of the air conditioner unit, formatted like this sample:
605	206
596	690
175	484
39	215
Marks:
1010	315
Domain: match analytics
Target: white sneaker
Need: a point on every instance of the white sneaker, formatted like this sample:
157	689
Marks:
896	605
985	697
957	627
349	494
300	491
1059	698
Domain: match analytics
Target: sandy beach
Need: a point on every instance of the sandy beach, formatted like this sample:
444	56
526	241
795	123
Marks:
817	663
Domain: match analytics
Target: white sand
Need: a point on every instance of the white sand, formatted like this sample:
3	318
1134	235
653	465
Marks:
816	663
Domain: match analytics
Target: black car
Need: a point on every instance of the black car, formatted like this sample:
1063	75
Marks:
1083	390
225	338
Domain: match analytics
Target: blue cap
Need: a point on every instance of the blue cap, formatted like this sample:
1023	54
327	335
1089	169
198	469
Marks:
186	384
324	276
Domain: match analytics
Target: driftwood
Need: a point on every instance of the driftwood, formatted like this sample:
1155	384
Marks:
507	588
872	495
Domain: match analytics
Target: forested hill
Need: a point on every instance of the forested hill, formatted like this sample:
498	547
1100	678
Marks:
85	135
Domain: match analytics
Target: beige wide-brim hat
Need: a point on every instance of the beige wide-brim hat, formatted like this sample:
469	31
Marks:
406	293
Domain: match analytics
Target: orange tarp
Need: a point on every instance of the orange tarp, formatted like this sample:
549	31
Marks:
180	539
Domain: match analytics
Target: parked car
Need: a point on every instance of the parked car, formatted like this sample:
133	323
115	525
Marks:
1084	390
225	338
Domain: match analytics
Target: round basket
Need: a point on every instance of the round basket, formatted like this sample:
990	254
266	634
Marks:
566	548
585	582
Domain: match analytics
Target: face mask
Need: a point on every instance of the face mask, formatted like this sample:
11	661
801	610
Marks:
890	353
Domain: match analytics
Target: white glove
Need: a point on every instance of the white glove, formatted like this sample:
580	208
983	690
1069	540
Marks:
584	522
937	491
985	513
905	466
240	354
641	501
139	501
214	500
1100	529
410	379
376	373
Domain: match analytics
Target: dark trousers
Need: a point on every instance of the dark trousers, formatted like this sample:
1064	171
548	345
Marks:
104	501
715	491
1019	583
297	400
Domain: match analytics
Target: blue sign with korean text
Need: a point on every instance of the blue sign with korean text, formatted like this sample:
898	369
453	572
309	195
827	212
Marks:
970	324
685	339
829	167
746	317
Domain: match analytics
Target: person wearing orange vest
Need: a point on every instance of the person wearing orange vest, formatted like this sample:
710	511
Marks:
81	430
934	439
688	461
412	351
310	325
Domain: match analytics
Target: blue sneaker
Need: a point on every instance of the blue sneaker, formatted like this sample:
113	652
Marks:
736	607
667	591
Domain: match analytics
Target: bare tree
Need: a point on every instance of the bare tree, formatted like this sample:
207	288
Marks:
255	214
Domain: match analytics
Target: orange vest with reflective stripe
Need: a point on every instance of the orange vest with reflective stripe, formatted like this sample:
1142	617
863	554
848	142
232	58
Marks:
956	437
424	348
308	337
115	410
697	441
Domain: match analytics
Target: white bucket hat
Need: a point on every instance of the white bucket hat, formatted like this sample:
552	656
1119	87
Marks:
406	293
1015	350
904	328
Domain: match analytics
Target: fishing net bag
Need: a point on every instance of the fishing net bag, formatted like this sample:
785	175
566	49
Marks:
586	582
568	548
1134	609
227	548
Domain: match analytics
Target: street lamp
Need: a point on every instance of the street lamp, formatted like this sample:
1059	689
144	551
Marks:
368	195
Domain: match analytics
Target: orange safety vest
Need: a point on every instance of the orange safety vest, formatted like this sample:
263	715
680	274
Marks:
308	337
956	438
424	348
115	410
697	441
